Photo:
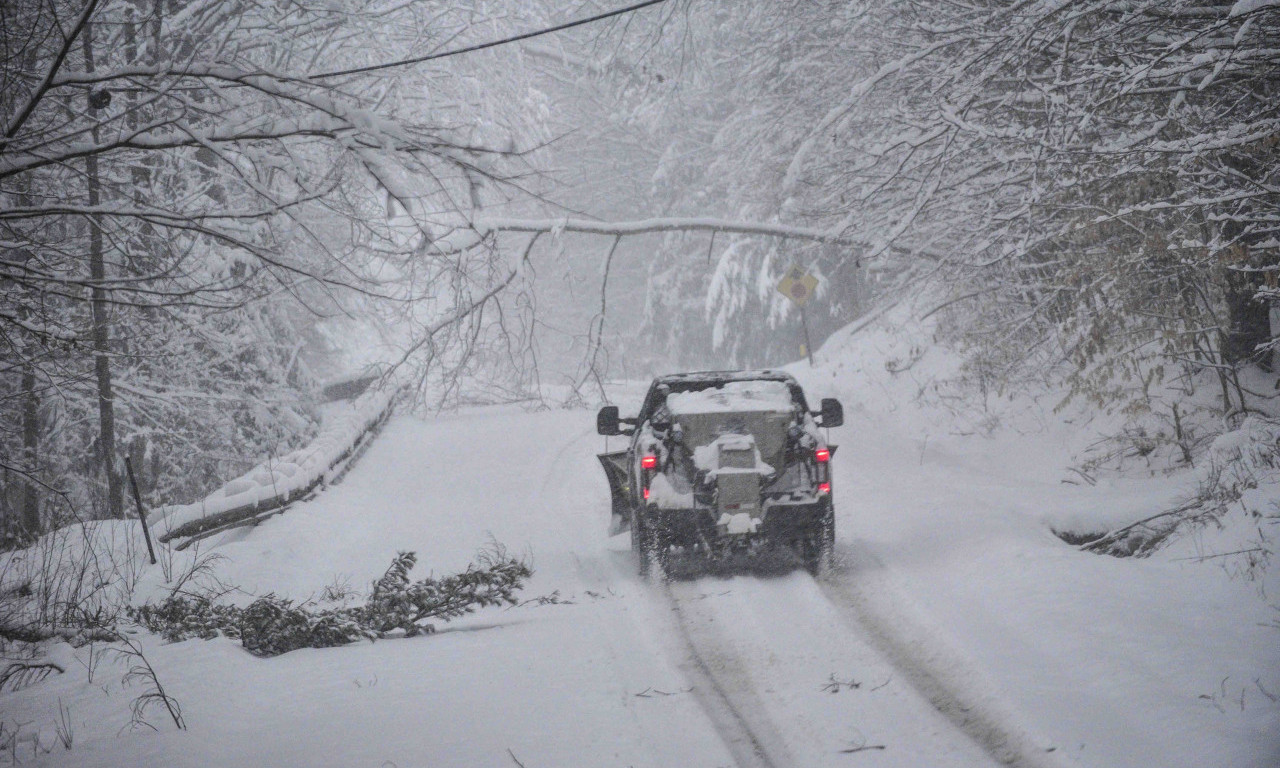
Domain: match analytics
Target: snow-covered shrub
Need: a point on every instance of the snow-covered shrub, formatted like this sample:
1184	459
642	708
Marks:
141	671
1240	473
70	583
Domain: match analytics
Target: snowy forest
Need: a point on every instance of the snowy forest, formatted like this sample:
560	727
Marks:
202	200
211	211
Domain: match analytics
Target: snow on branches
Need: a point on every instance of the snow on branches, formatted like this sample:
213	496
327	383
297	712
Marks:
185	211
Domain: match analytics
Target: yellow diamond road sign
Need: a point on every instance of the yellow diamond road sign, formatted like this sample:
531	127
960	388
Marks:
797	285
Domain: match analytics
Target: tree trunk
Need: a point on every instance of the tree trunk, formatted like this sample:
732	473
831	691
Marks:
30	509
29	505
101	335
1249	320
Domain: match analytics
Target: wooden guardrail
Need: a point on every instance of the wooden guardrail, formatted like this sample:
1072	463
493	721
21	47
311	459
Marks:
262	493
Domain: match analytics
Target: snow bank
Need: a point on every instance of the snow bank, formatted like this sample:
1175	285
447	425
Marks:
281	480
892	370
1238	488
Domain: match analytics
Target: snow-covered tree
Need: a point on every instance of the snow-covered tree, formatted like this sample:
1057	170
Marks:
189	186
1092	185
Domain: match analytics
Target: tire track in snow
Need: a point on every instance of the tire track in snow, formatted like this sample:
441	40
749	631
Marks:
750	739
937	675
723	687
772	653
745	729
552	471
622	640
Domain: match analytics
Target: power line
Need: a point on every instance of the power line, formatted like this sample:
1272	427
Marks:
490	44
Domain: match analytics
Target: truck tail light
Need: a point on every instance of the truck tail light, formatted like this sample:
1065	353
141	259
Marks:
823	489
646	494
649	462
822	455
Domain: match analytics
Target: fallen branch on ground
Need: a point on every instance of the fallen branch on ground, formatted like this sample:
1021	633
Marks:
271	625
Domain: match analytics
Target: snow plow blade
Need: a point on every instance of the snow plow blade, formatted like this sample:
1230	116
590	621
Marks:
615	471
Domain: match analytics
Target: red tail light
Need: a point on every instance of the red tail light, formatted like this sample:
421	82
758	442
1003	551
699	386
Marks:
648	462
822	455
823	488
646	494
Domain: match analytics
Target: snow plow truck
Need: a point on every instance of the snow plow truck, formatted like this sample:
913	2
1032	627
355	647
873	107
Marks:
721	463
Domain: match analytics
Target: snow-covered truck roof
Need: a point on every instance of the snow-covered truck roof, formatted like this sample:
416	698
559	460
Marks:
761	391
743	396
716	377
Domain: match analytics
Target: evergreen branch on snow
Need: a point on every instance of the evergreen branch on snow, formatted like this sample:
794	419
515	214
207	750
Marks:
271	625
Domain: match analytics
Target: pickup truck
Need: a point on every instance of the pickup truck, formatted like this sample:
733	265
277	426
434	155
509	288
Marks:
721	462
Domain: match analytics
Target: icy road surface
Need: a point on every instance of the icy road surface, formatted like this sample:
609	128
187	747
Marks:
956	632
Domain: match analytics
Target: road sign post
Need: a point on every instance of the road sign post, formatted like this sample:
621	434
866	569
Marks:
142	515
798	285
808	347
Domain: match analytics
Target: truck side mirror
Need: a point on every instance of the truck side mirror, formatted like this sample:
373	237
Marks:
832	413
607	421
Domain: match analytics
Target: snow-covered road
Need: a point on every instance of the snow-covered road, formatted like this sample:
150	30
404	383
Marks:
745	671
596	668
801	679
